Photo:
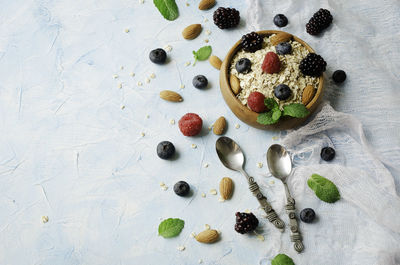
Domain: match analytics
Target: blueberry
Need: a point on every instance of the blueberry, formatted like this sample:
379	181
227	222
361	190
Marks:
165	150
181	188
307	215
339	76
283	48
200	81
327	153
243	65
280	20
282	92
158	56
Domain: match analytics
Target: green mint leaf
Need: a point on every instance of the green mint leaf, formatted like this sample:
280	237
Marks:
170	227
167	8
266	118
325	189
282	259
276	114
203	53
296	110
271	103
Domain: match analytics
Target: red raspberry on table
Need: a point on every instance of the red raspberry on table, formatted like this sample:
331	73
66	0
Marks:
271	63
255	101
190	124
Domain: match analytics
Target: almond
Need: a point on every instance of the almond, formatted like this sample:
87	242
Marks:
308	94
170	96
206	4
192	31
226	188
207	236
280	37
219	126
215	61
235	84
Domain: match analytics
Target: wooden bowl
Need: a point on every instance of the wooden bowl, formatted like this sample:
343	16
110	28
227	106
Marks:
243	112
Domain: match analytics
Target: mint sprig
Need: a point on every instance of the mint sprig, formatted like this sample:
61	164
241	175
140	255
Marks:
325	189
170	227
282	259
296	110
202	54
167	8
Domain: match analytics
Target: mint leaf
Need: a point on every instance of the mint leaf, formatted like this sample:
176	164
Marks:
296	110
167	8
271	103
325	189
276	114
170	227
202	54
282	259
266	118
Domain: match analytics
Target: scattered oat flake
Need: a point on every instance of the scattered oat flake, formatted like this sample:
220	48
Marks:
193	234
275	138
45	219
237	125
172	122
221	199
127	30
121	67
153	75
205	19
141	1
142	134
272	182
194	146
147	116
147	80
208	32
139	83
205	165
168	48
207	227
164	187
213	192
187	4
122	107
182	86
132	74
200	261
119	85
187	63
203	195
206	40
259	165
260	237
162	184
181	248
115	76
247	211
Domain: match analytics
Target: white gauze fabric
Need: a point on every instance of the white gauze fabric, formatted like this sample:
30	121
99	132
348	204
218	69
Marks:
363	227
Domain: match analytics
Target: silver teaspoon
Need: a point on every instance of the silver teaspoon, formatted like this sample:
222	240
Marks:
280	165
232	157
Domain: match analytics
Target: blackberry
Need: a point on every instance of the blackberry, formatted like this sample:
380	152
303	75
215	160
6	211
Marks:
312	65
319	21
252	42
226	18
245	222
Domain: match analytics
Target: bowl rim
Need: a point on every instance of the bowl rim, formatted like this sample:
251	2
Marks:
225	72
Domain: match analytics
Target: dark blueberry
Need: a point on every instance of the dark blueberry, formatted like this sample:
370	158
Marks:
200	81
181	188
165	150
282	92
307	215
280	20
283	48
158	56
327	153
243	65
339	76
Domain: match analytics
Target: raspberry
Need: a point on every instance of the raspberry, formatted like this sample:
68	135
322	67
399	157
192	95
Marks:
255	101
190	124
271	63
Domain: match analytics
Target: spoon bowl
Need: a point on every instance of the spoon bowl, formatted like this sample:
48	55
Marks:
229	153
279	162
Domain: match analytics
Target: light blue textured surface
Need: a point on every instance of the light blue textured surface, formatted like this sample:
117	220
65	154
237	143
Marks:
69	151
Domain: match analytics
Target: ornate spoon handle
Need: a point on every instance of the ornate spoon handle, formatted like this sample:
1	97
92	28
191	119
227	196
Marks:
295	235
271	214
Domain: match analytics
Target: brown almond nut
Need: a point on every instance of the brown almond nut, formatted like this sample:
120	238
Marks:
191	32
170	96
219	126
207	236
215	61
235	84
308	94
280	37
226	188
206	4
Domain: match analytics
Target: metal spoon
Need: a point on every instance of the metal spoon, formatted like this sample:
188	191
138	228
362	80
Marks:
280	165
232	157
